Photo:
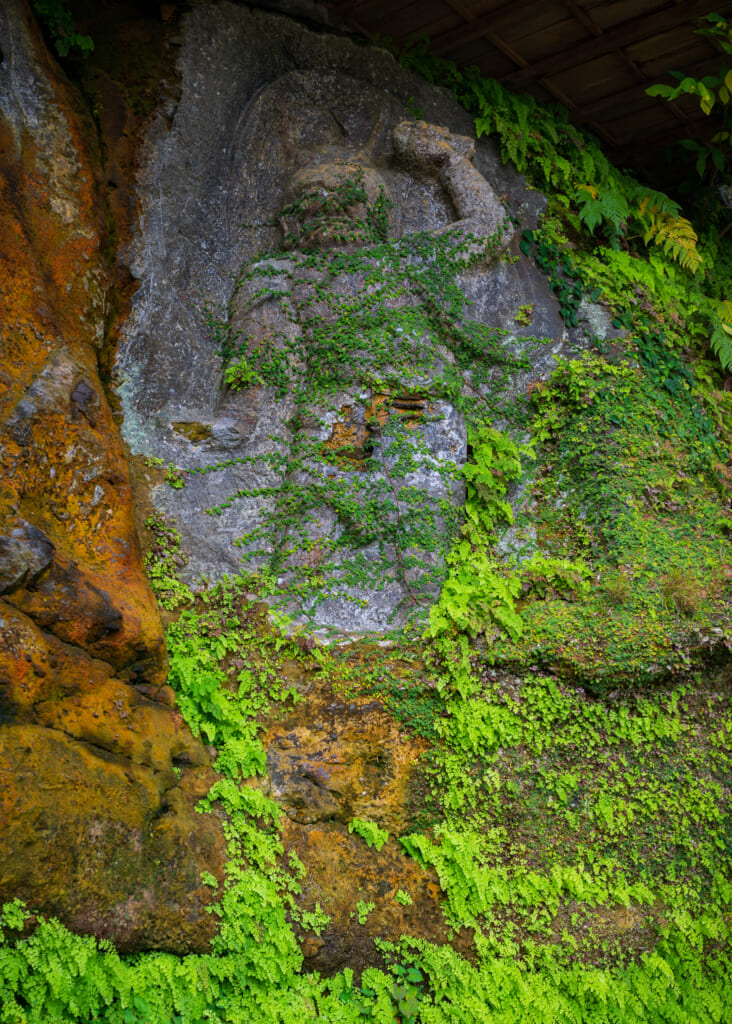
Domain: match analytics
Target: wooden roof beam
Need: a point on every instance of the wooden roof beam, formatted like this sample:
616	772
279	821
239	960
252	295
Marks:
667	136
460	8
605	103
622	35
477	28
344	11
582	17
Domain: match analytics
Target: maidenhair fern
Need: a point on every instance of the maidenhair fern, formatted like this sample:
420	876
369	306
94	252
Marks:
479	593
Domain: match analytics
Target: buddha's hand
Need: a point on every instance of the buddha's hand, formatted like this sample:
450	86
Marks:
427	147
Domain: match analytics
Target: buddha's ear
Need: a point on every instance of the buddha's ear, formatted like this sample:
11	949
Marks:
291	229
380	131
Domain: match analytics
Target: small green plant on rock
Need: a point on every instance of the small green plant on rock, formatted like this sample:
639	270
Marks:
363	909
369	831
59	21
525	314
175	477
163	563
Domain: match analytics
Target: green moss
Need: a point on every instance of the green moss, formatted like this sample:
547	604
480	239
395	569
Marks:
629	479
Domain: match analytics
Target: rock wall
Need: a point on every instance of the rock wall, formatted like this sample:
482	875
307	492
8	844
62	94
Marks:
99	774
264	103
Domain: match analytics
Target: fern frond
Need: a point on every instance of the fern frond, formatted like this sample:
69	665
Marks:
675	234
588	167
602	205
720	341
659	202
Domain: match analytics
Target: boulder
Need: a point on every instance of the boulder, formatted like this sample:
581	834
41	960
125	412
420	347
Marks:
111	847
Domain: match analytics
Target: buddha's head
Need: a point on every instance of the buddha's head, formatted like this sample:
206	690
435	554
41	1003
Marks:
335	203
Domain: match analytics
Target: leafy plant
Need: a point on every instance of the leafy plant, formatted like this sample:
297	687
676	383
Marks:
407	992
603	205
720	340
369	831
713	93
618	204
525	314
665	227
363	909
59	21
565	278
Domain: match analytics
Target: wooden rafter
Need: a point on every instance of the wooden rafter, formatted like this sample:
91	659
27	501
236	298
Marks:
621	98
504	28
620	36
478	27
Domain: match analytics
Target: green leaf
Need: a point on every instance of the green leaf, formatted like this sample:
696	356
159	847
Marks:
660	90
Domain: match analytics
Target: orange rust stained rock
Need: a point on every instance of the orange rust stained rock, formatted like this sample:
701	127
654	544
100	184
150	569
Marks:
67	465
110	851
64	456
114	717
96	825
36	667
331	759
98	785
341	869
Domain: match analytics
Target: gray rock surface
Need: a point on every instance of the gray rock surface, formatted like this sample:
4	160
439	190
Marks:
24	553
264	102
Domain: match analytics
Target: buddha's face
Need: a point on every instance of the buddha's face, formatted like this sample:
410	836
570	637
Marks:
332	206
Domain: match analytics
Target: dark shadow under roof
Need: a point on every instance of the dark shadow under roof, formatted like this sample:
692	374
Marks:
597	57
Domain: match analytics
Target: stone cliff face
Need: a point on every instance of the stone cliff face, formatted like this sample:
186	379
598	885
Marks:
98	773
183	279
282	113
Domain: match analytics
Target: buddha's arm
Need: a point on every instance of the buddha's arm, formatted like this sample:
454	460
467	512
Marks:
428	149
